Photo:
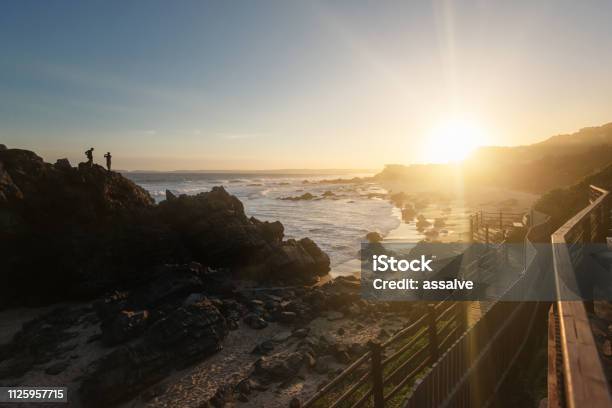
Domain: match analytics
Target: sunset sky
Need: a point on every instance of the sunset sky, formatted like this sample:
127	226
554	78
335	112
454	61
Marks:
297	84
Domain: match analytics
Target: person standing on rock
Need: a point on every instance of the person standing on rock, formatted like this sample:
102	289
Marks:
108	160
89	155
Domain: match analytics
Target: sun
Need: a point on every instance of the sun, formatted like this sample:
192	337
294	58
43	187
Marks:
452	140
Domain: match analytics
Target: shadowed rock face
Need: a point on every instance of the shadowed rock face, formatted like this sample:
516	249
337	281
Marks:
74	233
185	336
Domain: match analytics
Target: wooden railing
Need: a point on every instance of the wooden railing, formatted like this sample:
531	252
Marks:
386	372
471	371
436	360
490	227
576	375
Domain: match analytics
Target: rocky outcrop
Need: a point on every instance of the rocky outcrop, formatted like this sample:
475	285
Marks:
77	232
184	336
36	343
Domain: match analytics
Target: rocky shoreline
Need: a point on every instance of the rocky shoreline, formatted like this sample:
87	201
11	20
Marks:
73	233
149	291
130	346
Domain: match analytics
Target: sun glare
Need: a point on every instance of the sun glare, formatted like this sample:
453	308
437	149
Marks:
451	141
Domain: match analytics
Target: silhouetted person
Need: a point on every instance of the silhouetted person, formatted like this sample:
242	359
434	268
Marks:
108	160
89	155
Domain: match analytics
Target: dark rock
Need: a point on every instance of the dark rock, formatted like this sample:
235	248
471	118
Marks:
301	333
341	331
422	222
333	316
374	237
295	403
257	385
287	317
256	303
223	396
59	220
63	165
59	217
185	336
153	392
189	332
302	260
197	298
108	307
170	195
244	386
357	349
126	325
278	367
322	365
172	282
603	309
341	354
281	336
272	232
263	348
312	361
38	342
255	322
408	213
57	368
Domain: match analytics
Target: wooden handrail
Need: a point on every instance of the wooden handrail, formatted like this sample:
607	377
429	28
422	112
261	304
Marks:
420	329
584	377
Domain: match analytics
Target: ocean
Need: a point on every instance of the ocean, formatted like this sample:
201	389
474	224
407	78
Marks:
337	222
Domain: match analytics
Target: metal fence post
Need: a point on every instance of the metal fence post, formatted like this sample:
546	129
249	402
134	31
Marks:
377	377
433	332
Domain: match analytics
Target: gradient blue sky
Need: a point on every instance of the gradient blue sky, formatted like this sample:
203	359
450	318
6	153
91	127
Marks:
295	84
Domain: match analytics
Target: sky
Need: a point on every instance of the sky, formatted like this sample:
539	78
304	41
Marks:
297	84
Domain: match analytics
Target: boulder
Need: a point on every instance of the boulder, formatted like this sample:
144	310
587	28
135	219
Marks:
263	348
57	367
62	165
39	341
373	237
272	232
185	336
124	326
408	213
278	367
323	364
298	260
170	283
255	322
333	316
170	195
189	333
